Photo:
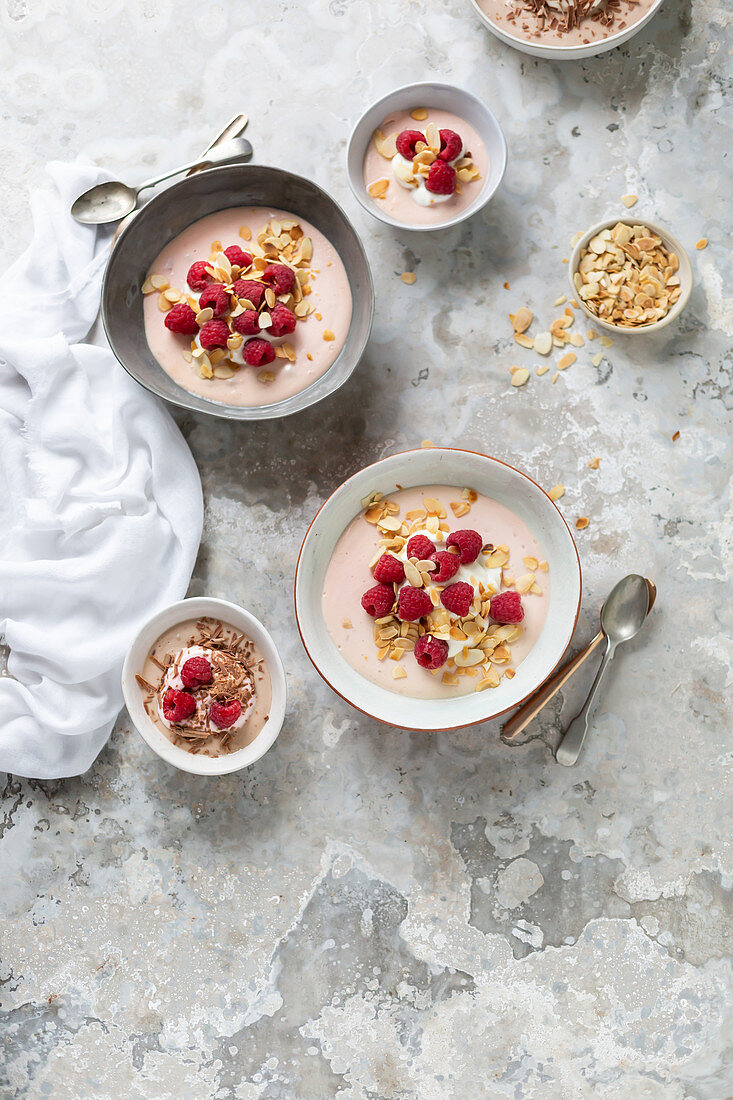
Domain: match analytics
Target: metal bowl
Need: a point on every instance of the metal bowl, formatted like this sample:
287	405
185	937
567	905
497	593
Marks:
170	212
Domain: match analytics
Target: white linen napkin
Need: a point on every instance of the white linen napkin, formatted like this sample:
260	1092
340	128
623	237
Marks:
100	499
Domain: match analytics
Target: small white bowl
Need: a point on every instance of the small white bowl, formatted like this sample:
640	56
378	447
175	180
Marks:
444	97
670	242
566	53
235	616
439	466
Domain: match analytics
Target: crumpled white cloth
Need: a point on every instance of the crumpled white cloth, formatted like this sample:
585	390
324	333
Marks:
100	499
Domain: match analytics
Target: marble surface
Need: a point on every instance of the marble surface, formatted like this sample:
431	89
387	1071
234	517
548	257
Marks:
371	914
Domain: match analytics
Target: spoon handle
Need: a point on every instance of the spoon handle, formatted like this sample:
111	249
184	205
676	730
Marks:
569	748
171	172
234	128
529	710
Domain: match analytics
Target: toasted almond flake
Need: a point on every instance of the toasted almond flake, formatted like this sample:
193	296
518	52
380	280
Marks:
216	356
556	492
497	558
519	377
555	377
223	371
265	376
204	315
187	356
460	508
389	523
385	145
149	287
412	575
594	463
597	359
531	563
675	437
419	114
582	522
702	243
521	320
542	370
289	351
544	567
408	277
524	583
328	335
523	341
576	340
543	343
629	200
606	341
378	189
159	282
163	304
347	624
427	443
560	301
566	360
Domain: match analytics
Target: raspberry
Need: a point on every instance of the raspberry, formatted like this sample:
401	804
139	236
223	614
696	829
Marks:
280	276
389	570
214	334
441	178
450	145
413	603
457	598
198	278
257	352
469	544
238	256
178	705
248	323
225	715
420	547
283	320
506	607
430	652
217	296
406	141
447	567
181	318
195	672
378	601
250	290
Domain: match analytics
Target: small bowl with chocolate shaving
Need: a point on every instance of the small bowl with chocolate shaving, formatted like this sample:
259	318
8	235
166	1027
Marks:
204	685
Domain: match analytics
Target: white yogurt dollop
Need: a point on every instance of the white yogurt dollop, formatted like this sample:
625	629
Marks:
419	193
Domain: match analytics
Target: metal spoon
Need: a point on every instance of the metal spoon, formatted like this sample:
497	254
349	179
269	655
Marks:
111	201
622	616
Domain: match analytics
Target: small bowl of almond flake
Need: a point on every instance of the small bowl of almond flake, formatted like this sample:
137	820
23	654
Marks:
629	276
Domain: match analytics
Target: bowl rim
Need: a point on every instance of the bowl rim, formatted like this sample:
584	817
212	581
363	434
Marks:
559	52
460	725
483	197
218	409
668	239
173	754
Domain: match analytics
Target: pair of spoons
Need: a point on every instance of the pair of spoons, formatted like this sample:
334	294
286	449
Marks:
622	617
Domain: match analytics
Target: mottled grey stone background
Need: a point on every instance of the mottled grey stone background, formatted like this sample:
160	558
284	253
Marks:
369	914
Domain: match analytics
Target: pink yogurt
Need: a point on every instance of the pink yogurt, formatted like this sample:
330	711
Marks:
331	297
348	576
399	202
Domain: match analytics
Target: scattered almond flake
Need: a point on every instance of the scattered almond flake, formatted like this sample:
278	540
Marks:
408	277
591	334
556	492
629	200
159	282
523	341
328	335
675	437
347	624
265	376
245	233
187	356
223	371
566	360
521	320
597	359
582	522
594	463
506	286
532	564
544	567
559	301
576	340
163	304
309	356
606	342
149	287
460	508
675	688
399	673
702	243
419	114
204	315
520	376
378	189
385	145
543	343
427	443
555	377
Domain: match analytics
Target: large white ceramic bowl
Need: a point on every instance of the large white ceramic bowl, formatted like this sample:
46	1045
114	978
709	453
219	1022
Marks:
566	53
444	97
670	242
439	466
235	616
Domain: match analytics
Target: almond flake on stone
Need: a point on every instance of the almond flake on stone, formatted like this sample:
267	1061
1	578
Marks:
577	340
542	370
566	361
522	319
594	463
559	301
523	341
519	377
702	243
629	200
408	277
556	492
582	522
543	343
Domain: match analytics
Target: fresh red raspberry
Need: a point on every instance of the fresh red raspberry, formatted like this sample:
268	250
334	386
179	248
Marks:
430	652
217	296
257	352
181	318
178	705
406	142
469	544
248	323
195	672
457	598
441	178
377	601
280	276
448	565
413	603
225	715
389	570
238	256
283	320
506	607
420	547
450	145
198	277
252	291
214	334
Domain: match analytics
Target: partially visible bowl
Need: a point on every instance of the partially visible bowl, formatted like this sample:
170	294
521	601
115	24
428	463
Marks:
236	616
438	96
439	466
170	212
670	242
563	52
